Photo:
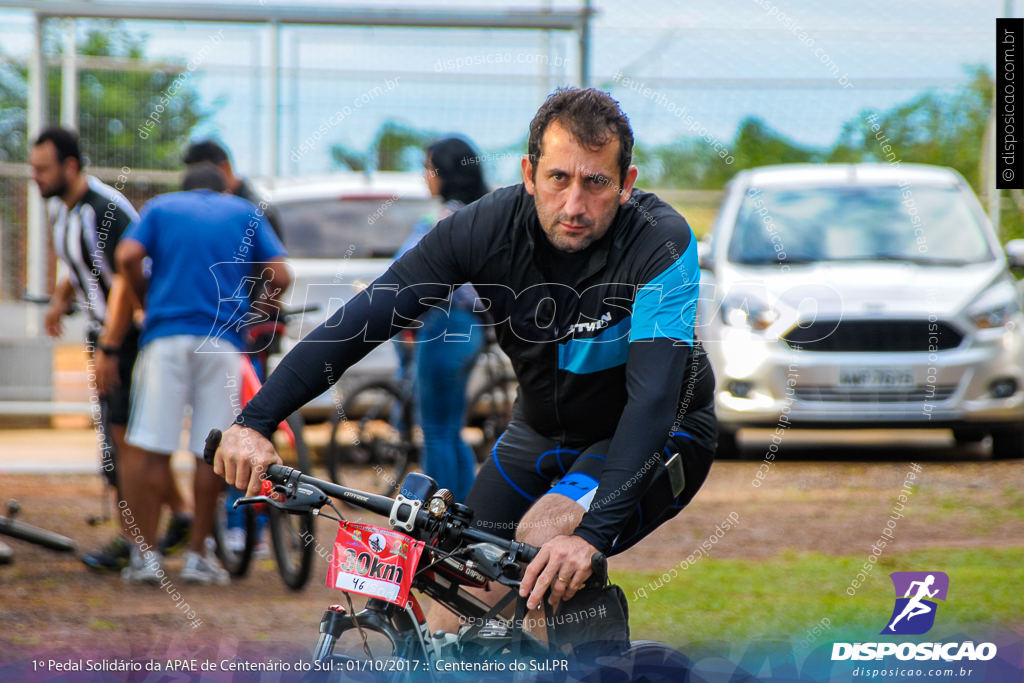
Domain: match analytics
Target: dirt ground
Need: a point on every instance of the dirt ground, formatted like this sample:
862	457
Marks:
833	500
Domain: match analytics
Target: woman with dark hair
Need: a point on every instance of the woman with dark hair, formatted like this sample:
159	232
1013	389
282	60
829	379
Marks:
444	363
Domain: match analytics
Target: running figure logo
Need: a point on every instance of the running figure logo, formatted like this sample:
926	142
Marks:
915	614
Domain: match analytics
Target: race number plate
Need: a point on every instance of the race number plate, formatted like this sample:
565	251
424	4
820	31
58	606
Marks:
378	563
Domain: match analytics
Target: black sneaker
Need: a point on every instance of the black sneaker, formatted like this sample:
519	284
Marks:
178	533
114	556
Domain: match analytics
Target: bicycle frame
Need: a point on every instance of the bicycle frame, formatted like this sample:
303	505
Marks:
445	531
410	637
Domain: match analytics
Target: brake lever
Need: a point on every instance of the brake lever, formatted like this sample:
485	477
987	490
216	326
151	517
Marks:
255	500
294	498
299	498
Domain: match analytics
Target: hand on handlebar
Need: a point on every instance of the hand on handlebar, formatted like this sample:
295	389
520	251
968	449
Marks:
566	557
243	456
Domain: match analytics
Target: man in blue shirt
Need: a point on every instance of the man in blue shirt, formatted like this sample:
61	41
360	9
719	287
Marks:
203	245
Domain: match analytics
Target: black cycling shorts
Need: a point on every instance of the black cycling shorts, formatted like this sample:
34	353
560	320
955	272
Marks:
117	401
525	466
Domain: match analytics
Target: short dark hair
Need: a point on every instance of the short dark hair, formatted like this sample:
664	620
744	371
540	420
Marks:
65	141
591	116
207	150
457	166
204	175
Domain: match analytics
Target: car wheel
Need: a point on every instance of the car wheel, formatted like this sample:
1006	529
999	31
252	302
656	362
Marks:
1008	443
728	446
968	435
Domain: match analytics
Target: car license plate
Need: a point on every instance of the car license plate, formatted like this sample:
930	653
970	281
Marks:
877	378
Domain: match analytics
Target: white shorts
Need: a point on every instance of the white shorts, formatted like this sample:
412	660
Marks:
169	375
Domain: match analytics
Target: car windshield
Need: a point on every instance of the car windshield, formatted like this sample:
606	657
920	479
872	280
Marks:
925	225
340	228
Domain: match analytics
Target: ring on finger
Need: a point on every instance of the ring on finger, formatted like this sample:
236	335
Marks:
561	579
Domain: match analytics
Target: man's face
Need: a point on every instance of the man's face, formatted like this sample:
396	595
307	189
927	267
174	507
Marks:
52	177
576	189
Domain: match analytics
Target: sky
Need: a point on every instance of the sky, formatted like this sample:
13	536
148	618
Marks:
721	60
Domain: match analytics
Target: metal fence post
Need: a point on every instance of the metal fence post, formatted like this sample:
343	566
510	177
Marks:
36	208
69	80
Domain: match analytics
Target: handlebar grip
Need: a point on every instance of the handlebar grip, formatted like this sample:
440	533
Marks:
599	571
212	444
529	553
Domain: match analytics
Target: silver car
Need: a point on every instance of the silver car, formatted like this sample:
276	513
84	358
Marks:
342	231
859	296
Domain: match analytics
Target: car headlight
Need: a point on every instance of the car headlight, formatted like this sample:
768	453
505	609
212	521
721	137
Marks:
995	306
755	315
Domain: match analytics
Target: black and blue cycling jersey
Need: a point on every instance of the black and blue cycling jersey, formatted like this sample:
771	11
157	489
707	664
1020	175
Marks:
600	340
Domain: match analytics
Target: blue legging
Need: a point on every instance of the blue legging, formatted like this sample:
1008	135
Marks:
443	366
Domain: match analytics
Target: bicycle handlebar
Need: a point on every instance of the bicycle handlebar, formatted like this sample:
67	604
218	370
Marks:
371	502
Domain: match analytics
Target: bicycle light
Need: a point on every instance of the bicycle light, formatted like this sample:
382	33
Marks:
440	503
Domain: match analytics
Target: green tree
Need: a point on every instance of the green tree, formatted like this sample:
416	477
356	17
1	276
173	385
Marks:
692	163
113	103
933	128
396	147
13	110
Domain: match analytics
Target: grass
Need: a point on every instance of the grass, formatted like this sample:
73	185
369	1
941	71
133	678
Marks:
788	594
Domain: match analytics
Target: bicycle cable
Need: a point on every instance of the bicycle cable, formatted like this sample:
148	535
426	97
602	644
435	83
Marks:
355	622
439	552
338	519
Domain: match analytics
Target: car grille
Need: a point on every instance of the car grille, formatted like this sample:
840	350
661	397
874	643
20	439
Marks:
872	336
841	395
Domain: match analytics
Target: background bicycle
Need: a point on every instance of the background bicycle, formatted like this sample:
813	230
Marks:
30	534
376	424
236	531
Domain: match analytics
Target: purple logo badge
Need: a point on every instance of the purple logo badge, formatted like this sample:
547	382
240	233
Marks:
915	608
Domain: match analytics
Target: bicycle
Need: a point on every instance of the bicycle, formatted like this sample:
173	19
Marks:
491	405
294	557
377	423
29	534
436	552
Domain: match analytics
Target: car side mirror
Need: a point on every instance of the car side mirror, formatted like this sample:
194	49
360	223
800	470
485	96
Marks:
704	255
1015	253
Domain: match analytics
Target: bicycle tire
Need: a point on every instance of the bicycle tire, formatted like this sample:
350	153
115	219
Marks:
497	397
373	406
292	536
648	660
235	562
35	535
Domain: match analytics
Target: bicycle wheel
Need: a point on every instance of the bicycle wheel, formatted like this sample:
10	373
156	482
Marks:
293	537
491	407
31	534
376	429
234	556
647	660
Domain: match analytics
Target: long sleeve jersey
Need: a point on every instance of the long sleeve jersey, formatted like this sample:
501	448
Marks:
601	352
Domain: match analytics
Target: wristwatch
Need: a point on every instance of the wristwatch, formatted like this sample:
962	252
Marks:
108	350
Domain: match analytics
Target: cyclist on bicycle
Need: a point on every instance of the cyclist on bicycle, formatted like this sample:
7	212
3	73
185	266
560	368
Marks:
593	287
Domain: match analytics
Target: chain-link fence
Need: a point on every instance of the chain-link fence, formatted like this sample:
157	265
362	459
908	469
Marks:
363	98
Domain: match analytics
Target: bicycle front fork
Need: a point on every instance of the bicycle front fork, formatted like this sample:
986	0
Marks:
331	627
